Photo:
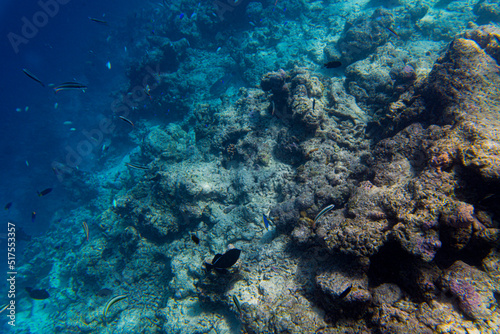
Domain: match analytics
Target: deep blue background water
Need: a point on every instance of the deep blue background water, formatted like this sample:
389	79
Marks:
69	47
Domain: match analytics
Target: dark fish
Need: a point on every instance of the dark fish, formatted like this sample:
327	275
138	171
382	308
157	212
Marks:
333	64
8	205
345	292
224	261
32	76
37	293
237	303
33	216
44	192
98	21
104	292
70	85
221	85
314	103
126	120
393	31
195	239
137	166
487	197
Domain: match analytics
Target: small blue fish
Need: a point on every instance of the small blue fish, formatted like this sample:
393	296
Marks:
266	221
181	16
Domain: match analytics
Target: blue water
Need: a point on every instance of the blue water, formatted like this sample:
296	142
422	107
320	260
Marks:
69	47
199	155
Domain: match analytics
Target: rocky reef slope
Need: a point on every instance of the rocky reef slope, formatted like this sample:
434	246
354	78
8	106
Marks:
411	245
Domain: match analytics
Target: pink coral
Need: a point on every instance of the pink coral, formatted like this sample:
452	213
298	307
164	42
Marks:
469	299
442	161
464	218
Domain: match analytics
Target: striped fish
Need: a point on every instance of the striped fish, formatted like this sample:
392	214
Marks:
137	166
322	212
110	303
86	229
266	221
70	85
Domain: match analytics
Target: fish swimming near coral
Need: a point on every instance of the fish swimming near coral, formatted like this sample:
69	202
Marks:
38	294
333	64
134	166
44	192
111	302
392	31
33	77
195	239
86	230
237	303
224	261
126	120
266	221
322	212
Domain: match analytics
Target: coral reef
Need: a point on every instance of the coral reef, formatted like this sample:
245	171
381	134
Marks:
361	37
405	146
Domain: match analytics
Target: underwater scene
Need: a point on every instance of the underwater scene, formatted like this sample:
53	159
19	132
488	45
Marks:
250	166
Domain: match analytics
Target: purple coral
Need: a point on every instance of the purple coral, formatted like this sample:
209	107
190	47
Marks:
427	248
404	75
469	299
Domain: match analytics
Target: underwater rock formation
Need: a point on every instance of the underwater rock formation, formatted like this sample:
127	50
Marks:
472	288
378	80
462	84
487	11
361	37
411	245
409	204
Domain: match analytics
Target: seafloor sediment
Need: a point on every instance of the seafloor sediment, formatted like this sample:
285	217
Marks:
407	148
